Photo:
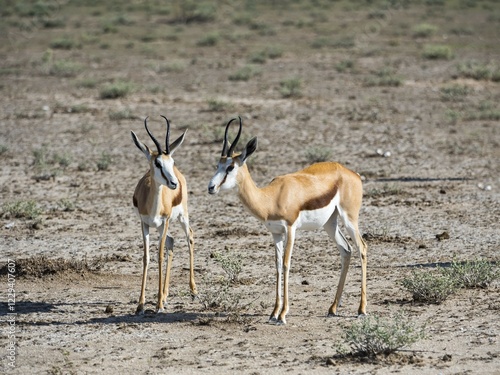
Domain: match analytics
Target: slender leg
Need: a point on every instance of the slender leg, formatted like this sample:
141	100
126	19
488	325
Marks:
184	221
161	257
334	232
287	257
351	224
145	264
169	243
278	244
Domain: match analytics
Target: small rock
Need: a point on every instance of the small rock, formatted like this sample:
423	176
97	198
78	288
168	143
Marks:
443	236
330	362
447	357
10	225
387	154
109	309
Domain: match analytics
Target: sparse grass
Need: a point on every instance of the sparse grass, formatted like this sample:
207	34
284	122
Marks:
318	154
324	41
386	190
344	65
430	287
479	71
66	205
455	92
64	42
232	265
372	335
104	162
209	40
384	77
3	149
191	11
123	114
424	30
437	52
22	209
485	111
63	68
244	73
291	88
88	83
215	105
478	273
118	89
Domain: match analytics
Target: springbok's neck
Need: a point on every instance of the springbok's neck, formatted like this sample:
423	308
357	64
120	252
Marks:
250	195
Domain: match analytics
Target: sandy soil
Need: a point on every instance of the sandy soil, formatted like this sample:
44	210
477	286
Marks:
434	181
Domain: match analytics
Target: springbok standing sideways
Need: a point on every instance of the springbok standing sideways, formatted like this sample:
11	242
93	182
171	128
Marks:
309	199
161	196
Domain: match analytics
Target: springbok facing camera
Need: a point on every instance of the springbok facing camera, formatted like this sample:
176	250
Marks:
309	199
160	196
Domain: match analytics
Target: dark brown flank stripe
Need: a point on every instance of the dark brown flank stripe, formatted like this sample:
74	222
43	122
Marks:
321	201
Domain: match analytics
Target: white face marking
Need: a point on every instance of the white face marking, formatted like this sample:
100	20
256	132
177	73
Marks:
164	171
224	178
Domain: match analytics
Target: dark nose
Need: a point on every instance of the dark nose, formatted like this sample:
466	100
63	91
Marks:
173	185
211	189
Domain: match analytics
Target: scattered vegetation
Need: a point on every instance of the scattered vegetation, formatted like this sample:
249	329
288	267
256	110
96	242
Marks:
373	335
244	73
478	273
424	30
215	105
104	162
485	111
384	77
22	210
209	40
344	65
437	286
231	265
479	71
64	42
118	89
123	114
291	88
454	92
318	154
437	52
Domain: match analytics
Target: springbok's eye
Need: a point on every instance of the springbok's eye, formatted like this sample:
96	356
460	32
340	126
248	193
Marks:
157	164
230	168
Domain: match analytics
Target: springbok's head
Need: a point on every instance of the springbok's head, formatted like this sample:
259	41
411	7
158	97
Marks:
225	177
161	162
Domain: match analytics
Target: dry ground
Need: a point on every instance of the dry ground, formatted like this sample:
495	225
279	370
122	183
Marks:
366	87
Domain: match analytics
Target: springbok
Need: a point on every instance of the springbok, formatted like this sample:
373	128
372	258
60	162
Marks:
308	199
160	196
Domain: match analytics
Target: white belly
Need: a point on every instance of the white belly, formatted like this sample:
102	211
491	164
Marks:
307	220
316	219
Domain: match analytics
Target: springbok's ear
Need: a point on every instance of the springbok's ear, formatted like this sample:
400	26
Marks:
249	149
141	146
173	146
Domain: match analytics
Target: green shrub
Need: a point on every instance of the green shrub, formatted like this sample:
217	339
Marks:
290	88
373	335
104	162
115	90
384	77
232	265
429	287
454	92
244	73
344	65
478	273
318	154
22	209
63	43
64	68
478	71
424	30
209	40
437	52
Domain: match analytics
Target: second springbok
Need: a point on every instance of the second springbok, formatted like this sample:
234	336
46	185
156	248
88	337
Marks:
161	196
309	199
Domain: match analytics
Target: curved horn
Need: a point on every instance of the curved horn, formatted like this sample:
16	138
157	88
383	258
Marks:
151	135
235	142
224	146
167	139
